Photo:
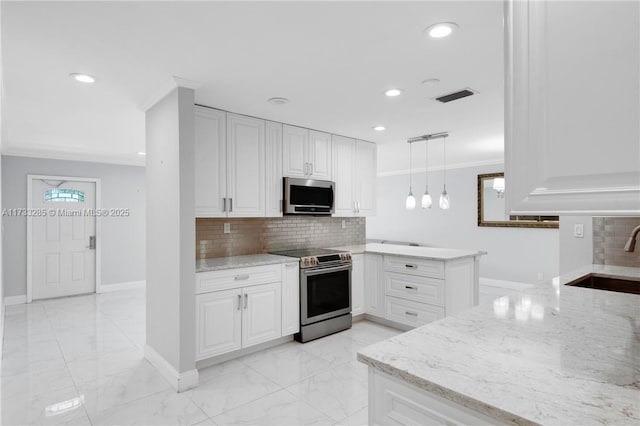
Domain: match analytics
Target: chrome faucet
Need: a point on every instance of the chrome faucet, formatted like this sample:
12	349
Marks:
631	242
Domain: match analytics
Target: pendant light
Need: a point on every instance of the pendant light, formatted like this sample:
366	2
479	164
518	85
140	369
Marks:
444	197
426	197
410	204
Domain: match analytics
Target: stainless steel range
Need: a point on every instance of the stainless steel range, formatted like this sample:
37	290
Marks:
325	292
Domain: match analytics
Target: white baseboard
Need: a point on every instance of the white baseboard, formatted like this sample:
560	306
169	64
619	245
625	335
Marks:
180	381
105	288
512	285
15	300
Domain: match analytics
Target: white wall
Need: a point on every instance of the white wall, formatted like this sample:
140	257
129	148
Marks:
575	252
123	238
516	254
170	147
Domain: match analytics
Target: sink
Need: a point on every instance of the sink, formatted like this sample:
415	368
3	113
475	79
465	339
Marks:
606	283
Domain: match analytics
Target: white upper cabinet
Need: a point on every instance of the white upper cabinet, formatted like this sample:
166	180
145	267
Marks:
273	200
365	178
320	155
295	142
245	166
354	171
572	133
306	153
344	151
229	164
211	163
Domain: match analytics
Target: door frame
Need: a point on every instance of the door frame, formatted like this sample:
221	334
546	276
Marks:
30	179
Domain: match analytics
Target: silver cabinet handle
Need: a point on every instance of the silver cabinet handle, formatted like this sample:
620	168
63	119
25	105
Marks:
410	266
355	208
358	204
246	300
230	204
224	204
413	314
290	265
410	287
239	301
241	277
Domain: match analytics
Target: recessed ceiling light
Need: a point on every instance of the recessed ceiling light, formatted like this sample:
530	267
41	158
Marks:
142	154
393	92
82	78
278	101
379	128
440	30
431	81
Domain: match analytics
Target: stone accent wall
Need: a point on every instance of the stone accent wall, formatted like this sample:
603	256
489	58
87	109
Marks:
610	234
264	235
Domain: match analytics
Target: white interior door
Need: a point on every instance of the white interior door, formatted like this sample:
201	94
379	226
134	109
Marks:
63	227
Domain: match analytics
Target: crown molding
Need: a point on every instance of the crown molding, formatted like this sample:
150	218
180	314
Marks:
496	162
73	155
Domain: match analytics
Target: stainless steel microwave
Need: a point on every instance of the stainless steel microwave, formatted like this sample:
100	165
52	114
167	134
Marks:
308	196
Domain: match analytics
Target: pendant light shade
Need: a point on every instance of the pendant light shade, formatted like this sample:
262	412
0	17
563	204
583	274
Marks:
445	203
410	203
426	197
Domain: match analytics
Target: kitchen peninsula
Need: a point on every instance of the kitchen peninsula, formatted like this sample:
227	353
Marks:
554	354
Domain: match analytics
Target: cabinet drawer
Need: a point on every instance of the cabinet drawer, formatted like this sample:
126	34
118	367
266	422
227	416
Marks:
414	288
411	313
414	266
237	277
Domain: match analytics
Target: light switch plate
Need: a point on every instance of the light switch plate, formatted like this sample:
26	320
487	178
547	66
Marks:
578	230
344	224
227	228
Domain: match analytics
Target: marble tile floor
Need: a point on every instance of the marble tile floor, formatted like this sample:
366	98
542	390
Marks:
79	361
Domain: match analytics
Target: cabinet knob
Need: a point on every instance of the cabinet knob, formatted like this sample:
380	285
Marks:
410	266
241	277
413	314
410	287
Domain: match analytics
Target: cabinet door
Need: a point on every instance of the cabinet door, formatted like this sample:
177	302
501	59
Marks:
357	285
344	150
319	155
210	165
365	167
295	141
261	315
218	323
374	284
571	122
245	166
273	197
290	298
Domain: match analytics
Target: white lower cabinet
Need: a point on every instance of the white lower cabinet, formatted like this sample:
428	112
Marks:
261	314
241	307
414	291
374	284
357	284
394	402
290	298
218	323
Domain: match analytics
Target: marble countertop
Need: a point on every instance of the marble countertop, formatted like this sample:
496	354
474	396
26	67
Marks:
422	252
218	263
553	354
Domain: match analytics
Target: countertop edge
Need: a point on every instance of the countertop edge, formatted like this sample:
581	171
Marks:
446	393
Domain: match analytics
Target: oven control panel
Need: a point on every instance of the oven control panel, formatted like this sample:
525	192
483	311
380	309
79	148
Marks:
327	259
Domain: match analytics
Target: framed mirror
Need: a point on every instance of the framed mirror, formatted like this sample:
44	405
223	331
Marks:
491	207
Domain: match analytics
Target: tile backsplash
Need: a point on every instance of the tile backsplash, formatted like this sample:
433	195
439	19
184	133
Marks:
610	234
263	235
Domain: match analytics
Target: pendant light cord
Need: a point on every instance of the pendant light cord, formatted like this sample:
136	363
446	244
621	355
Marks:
444	145
410	155
426	165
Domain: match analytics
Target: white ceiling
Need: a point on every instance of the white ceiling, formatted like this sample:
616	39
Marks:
333	60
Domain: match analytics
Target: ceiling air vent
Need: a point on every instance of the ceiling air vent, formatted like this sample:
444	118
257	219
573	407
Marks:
455	95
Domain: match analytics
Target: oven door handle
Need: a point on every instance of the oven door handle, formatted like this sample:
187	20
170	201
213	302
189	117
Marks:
317	271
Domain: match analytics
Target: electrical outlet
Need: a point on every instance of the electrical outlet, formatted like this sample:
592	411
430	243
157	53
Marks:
227	228
344	224
540	276
578	230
